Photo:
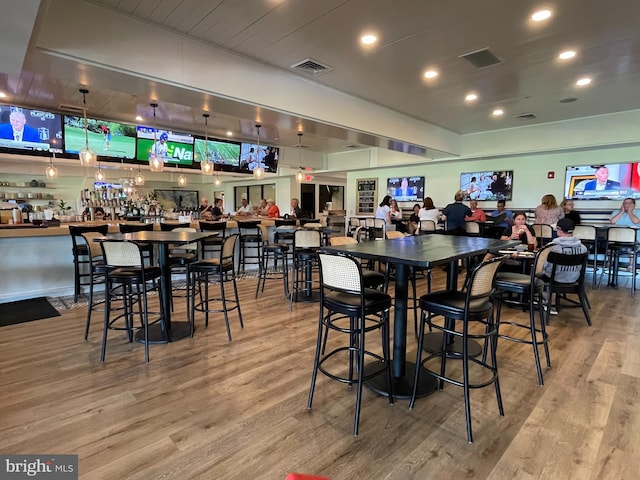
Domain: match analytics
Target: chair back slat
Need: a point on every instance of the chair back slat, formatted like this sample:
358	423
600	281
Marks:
340	272
585	232
482	277
228	247
541	258
338	241
621	235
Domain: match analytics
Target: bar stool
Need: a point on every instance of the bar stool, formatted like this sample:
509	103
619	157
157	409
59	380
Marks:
222	269
284	237
212	245
588	235
278	253
250	240
370	278
180	256
474	305
98	270
305	257
145	248
529	289
621	242
544	233
346	306
80	251
126	269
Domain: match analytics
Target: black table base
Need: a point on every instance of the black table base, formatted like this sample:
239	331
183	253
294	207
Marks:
402	386
179	330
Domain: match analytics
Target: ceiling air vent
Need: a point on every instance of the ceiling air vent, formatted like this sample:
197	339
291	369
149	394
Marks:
481	58
309	65
71	108
525	116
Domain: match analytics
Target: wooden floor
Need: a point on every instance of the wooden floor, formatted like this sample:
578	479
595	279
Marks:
206	408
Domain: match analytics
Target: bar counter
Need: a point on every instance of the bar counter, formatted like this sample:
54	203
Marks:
37	261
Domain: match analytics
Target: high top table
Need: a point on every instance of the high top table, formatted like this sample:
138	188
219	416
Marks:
175	330
426	251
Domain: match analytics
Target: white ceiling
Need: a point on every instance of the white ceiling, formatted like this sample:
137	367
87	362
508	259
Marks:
414	35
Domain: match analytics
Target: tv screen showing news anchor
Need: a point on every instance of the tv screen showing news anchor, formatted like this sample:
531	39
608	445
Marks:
29	129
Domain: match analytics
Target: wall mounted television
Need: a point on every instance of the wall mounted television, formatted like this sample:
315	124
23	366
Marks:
487	185
602	182
30	130
406	189
175	148
225	155
251	155
106	138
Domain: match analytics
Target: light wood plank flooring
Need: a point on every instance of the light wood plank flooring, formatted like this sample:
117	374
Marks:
206	408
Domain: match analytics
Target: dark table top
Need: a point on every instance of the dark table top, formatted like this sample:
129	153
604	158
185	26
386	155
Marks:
162	237
424	250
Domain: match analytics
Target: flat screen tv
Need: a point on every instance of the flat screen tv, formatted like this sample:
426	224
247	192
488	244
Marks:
175	148
251	156
615	181
406	189
106	138
28	130
487	185
225	155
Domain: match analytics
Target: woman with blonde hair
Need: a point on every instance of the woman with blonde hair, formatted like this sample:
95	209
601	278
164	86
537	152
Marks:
548	212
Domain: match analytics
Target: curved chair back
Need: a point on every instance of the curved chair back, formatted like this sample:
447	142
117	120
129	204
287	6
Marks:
585	232
473	229
338	241
304	238
130	228
360	234
280	222
227	253
482	279
394	234
622	235
95	251
427	226
121	253
340	273
213	226
304	221
544	233
167	227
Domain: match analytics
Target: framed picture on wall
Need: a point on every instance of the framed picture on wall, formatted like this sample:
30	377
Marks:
366	196
178	199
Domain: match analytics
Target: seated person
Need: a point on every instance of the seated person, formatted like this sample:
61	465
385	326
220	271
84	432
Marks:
296	211
628	215
500	209
261	210
396	216
206	210
216	212
477	214
414	220
455	214
272	210
245	210
565	243
520	230
429	211
569	212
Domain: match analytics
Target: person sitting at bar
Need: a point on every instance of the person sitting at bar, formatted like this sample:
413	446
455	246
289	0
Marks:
216	212
569	212
272	210
206	210
245	210
296	211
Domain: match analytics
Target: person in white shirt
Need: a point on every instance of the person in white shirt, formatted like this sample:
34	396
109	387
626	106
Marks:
429	211
244	209
384	209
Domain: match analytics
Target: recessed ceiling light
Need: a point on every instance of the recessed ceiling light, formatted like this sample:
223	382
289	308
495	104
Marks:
497	112
471	97
368	39
541	15
3	95
430	74
229	133
583	81
139	118
566	55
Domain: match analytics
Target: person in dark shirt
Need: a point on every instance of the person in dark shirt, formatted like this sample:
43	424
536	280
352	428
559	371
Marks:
217	212
455	214
569	212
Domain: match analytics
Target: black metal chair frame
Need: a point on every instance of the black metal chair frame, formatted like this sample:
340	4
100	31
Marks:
558	261
212	245
279	254
80	253
249	238
346	306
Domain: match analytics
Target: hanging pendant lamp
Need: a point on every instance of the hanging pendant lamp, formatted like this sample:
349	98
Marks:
51	171
258	171
300	174
87	156
206	165
156	160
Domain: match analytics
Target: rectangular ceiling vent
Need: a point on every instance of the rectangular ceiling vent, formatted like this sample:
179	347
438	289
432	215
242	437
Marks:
71	109
309	65
482	58
525	116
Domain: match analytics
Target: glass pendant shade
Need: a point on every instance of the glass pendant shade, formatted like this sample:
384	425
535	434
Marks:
258	171
87	156
218	182
139	179
206	165
51	171
300	174
182	181
100	176
156	164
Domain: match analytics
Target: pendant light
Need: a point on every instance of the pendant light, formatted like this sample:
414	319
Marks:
99	176
300	174
156	163
206	165
139	178
258	171
87	156
182	180
51	171
217	181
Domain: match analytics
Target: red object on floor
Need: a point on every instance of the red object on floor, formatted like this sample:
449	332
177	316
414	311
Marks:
302	476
